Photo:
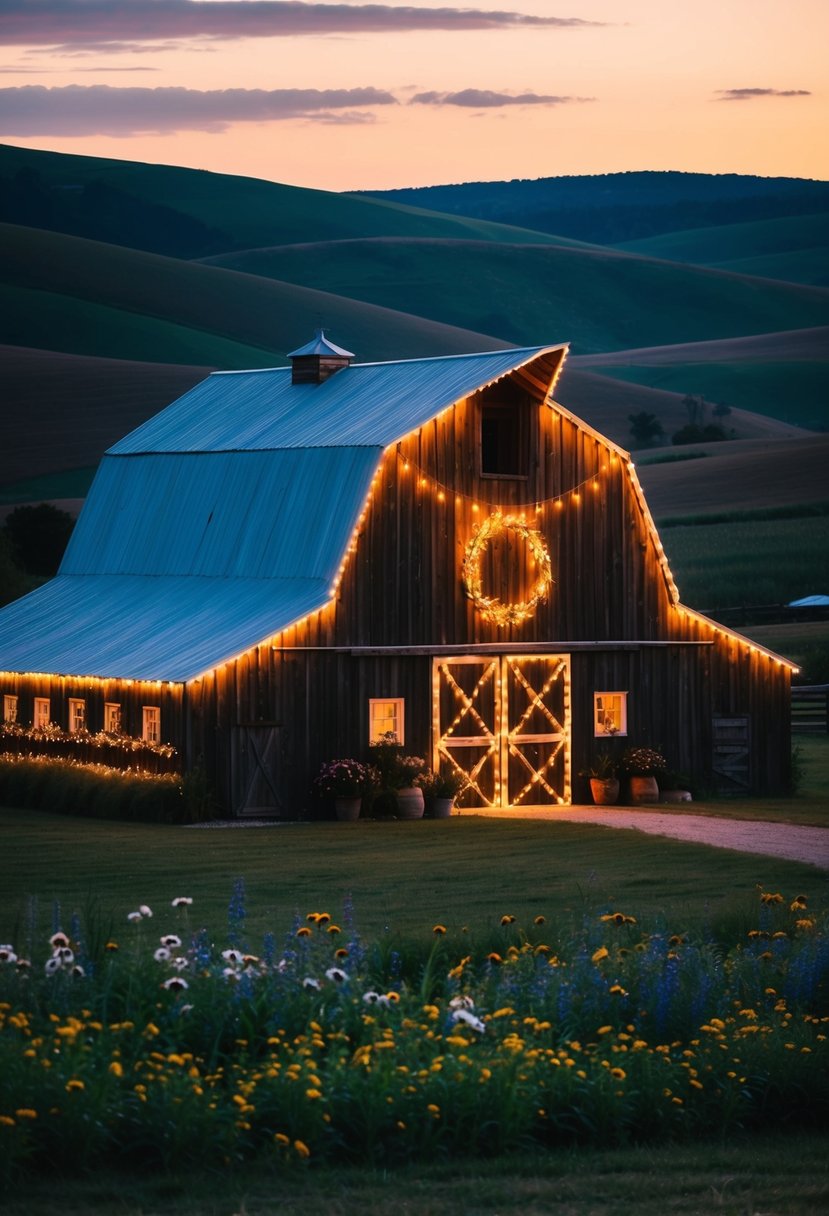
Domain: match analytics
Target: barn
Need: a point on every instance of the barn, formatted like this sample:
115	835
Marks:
286	563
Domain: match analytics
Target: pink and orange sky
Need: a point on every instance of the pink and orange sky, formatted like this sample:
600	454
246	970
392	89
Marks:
351	95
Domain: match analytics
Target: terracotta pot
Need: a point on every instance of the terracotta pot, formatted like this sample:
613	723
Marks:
348	809
442	807
410	803
605	790
643	790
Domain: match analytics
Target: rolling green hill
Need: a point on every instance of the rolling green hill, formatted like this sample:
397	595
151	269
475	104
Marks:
781	375
226	211
599	300
794	248
111	301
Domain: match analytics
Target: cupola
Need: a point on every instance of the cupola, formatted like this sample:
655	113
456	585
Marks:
317	360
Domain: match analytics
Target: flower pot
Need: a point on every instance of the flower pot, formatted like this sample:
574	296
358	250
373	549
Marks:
410	804
442	807
348	809
605	790
643	790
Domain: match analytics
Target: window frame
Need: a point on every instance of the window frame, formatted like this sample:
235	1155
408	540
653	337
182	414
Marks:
72	708
148	735
601	727
109	729
38	720
399	717
10	706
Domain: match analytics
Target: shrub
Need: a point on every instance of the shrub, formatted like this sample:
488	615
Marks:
92	790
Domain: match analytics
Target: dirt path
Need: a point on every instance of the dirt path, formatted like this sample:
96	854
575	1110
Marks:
790	841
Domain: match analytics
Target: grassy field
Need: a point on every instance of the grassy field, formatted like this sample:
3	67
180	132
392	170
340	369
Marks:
750	562
461	872
783	1175
597	299
793	248
794	392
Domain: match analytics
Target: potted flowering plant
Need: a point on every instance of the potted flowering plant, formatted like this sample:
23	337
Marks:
346	781
642	765
440	790
398	775
604	779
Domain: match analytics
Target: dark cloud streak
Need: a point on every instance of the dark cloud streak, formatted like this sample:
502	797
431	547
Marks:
486	99
106	110
751	94
36	22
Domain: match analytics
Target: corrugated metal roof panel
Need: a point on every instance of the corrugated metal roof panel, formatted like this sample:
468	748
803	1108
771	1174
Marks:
138	628
282	514
368	403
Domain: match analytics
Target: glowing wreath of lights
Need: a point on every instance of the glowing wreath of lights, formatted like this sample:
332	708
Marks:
493	609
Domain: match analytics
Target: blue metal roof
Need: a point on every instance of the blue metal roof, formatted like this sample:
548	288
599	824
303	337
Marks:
140	628
368	403
226	517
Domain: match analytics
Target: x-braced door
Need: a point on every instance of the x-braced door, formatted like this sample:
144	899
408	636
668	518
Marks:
503	723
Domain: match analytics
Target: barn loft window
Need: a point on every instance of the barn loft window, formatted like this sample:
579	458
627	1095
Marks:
77	715
151	724
9	708
505	438
610	713
112	718
41	714
385	714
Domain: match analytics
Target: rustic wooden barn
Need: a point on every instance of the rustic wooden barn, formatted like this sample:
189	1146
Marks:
285	563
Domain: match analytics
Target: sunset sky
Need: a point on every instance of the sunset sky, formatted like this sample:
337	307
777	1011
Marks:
350	95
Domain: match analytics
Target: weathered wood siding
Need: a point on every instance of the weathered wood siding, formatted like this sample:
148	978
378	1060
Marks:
402	588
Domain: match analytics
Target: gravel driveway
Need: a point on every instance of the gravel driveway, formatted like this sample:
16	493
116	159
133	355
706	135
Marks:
790	841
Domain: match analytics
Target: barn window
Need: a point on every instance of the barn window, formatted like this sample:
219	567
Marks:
42	714
610	713
9	708
504	441
77	715
151	724
385	714
112	718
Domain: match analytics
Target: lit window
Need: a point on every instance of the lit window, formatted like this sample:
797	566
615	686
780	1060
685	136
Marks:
385	714
77	715
112	718
9	708
41	716
610	713
151	724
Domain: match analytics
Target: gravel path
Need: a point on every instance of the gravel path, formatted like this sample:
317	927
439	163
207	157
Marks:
788	840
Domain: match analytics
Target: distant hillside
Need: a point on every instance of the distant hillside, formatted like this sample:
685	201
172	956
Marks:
612	207
783	375
82	297
794	248
82	406
190	212
742	476
598	299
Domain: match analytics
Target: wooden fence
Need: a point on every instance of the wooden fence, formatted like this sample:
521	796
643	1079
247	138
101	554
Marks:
810	709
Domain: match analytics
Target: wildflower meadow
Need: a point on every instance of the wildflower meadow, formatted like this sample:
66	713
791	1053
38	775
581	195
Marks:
312	1046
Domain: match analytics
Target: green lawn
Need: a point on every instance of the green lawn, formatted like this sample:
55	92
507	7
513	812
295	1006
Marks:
401	877
783	1175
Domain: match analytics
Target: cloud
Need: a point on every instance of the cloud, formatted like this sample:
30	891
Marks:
105	110
750	94
36	22
484	99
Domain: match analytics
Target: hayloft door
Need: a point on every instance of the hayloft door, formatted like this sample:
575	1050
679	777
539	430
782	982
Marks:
255	750
503	723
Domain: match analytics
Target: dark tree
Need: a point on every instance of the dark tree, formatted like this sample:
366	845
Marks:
37	537
645	428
